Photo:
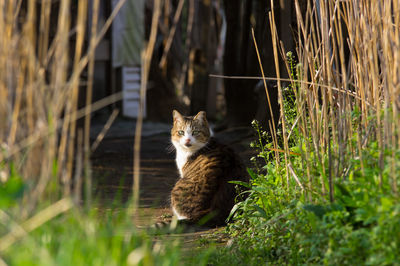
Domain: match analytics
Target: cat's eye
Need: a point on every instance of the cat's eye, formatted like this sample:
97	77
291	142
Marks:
181	132
195	132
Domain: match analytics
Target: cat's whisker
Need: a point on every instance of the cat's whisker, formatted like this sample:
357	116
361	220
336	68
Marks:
170	148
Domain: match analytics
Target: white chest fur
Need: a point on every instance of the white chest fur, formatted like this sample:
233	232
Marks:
181	159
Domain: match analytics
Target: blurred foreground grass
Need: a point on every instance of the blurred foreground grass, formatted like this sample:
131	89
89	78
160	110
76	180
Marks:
78	237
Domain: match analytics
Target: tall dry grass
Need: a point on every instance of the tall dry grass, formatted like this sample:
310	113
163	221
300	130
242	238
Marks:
42	62
347	88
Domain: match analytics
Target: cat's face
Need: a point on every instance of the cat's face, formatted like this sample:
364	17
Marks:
190	133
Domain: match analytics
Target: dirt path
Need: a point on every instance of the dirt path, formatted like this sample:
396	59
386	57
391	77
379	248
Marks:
112	165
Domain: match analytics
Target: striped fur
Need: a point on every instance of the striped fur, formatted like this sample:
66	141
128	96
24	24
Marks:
203	192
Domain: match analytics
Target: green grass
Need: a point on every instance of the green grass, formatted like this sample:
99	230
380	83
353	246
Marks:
276	225
79	238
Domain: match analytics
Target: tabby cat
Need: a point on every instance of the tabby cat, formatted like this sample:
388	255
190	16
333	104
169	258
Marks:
203	194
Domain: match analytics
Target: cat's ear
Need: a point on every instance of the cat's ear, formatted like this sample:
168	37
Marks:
176	116
201	116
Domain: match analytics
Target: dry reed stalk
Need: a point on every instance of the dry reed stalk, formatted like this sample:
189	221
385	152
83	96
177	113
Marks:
184	70
146	62
58	78
273	128
300	107
290	167
78	168
395	91
89	94
280	96
171	34
302	98
80	37
104	130
62	51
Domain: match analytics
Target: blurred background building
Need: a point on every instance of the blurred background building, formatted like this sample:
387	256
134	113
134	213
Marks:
195	38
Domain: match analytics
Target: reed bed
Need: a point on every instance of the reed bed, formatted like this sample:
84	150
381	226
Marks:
46	60
338	142
347	91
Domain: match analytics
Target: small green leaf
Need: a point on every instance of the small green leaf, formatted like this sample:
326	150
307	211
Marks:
343	190
245	184
386	203
251	173
11	191
318	210
234	209
261	211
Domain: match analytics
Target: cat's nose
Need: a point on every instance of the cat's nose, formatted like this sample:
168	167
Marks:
187	143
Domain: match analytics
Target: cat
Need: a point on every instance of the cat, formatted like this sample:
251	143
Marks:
203	193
